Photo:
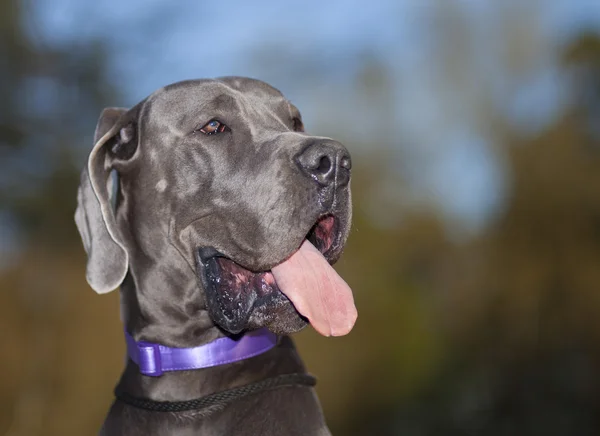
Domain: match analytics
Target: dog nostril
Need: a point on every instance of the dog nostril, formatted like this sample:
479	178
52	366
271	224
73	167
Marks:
346	163
324	165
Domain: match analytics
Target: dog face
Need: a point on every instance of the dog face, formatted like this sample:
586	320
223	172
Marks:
222	172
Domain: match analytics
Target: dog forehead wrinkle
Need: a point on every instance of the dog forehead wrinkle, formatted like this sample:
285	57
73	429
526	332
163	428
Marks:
181	108
250	86
264	112
260	107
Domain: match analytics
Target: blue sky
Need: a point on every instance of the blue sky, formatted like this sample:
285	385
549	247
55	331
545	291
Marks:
313	51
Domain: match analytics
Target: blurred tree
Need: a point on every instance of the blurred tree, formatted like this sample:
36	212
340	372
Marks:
52	95
521	308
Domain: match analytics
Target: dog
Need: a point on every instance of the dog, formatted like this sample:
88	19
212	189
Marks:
219	218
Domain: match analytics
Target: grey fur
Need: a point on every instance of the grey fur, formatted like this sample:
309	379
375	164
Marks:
251	193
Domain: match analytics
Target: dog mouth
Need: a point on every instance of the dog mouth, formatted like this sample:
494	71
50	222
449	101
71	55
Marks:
302	278
229	277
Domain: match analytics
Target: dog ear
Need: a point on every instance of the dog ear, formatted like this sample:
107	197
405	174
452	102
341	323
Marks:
108	260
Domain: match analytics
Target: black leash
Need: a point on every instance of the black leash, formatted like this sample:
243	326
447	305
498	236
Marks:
218	397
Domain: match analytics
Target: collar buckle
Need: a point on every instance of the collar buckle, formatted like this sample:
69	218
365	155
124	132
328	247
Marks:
149	359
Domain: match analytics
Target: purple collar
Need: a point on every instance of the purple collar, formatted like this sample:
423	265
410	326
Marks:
154	359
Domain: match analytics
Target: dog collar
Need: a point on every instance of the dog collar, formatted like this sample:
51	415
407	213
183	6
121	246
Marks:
154	359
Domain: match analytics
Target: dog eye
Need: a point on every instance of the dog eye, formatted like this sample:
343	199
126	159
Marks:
213	127
298	126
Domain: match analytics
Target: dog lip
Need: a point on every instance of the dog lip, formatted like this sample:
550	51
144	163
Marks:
332	236
206	253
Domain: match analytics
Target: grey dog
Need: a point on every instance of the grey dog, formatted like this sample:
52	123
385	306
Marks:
214	169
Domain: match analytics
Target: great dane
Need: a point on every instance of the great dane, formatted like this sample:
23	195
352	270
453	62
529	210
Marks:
219	218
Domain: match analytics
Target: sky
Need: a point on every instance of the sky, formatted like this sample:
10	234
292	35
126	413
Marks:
441	146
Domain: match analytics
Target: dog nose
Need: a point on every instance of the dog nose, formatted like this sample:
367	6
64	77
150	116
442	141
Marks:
326	162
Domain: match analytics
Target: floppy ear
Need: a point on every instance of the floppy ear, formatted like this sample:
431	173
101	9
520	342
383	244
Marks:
108	259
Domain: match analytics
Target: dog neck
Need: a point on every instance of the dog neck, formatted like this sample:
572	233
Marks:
190	384
177	318
161	302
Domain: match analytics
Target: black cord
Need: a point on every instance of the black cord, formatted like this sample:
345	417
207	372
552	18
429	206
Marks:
218	397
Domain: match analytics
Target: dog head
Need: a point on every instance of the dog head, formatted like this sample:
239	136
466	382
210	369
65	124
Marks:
219	176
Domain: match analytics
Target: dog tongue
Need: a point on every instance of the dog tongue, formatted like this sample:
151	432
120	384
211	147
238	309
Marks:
317	291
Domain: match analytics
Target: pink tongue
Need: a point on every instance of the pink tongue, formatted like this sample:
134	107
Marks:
317	291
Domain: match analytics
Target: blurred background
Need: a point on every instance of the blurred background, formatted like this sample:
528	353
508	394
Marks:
475	251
